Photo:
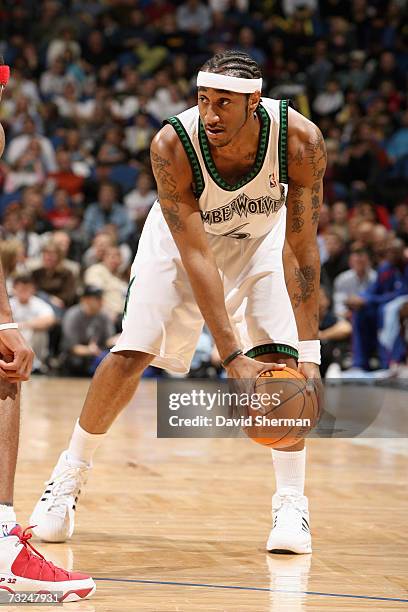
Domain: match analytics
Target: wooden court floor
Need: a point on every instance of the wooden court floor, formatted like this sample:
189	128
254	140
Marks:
181	525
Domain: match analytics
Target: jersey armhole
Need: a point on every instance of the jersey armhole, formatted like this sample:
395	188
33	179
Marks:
283	141
198	178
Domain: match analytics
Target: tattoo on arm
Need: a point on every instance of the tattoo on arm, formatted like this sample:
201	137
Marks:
316	202
298	209
316	156
305	278
168	194
311	159
296	158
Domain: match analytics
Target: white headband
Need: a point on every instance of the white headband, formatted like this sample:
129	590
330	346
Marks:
229	83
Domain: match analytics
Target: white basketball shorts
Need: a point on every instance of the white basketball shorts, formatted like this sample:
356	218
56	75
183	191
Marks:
162	317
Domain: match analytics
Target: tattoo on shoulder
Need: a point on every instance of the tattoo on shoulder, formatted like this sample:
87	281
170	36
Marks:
168	194
298	209
250	156
296	158
305	278
316	155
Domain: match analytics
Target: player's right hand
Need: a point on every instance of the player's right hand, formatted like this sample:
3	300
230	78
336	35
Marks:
245	367
242	373
16	356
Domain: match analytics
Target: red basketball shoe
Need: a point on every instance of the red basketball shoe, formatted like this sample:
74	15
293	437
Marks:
23	568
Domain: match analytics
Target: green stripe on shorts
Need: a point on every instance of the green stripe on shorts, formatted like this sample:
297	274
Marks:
127	297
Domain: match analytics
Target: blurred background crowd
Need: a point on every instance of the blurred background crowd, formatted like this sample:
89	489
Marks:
91	83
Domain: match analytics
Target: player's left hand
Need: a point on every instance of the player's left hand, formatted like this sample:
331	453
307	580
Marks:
311	372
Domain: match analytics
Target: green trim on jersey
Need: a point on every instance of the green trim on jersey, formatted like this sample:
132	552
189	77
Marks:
283	141
260	156
127	296
266	349
198	177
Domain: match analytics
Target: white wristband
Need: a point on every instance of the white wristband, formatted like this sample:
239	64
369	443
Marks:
309	351
4	326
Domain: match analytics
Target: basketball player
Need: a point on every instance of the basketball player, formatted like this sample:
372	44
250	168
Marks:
211	250
22	568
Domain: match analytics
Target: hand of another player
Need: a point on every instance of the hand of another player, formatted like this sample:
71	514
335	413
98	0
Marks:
16	356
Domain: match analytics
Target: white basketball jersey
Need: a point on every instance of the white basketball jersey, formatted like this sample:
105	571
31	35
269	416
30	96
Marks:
254	206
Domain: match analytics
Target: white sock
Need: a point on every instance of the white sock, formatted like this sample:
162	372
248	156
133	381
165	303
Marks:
290	469
83	445
7	519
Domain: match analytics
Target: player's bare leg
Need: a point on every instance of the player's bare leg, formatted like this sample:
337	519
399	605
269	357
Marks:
112	387
21	567
9	433
290	515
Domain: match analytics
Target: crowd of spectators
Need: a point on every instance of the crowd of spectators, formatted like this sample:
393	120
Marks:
92	81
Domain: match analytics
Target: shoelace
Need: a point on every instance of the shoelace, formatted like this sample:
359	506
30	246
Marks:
24	538
284	514
65	485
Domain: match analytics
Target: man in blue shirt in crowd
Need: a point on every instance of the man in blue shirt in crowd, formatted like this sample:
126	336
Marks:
108	211
368	308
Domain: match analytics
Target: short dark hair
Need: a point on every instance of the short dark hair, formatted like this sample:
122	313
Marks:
233	63
113	185
91	291
359	247
24	279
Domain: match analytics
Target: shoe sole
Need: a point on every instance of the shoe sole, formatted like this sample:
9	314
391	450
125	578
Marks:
285	551
282	546
35	520
27	586
75	595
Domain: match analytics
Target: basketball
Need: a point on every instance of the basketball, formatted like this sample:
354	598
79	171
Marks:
282	411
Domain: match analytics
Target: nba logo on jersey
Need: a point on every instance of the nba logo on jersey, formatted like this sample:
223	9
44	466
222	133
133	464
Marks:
272	180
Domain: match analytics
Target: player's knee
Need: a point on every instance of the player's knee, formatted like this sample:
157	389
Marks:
131	363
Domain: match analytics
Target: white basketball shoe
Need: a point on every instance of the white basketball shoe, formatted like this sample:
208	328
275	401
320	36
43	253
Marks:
54	514
290	531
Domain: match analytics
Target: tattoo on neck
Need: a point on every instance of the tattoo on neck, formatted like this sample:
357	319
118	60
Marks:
250	156
305	278
168	194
